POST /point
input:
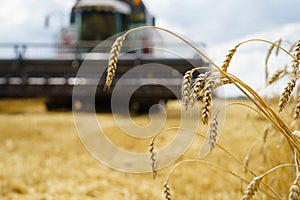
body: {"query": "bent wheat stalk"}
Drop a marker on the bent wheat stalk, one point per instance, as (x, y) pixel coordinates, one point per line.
(219, 168)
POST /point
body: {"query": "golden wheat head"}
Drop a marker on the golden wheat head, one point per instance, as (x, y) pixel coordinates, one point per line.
(252, 188)
(287, 94)
(294, 189)
(296, 61)
(229, 56)
(197, 88)
(186, 88)
(207, 99)
(297, 110)
(213, 133)
(167, 191)
(112, 61)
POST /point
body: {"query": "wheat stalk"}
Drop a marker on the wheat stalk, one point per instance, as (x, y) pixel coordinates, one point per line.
(186, 88)
(286, 94)
(112, 61)
(277, 49)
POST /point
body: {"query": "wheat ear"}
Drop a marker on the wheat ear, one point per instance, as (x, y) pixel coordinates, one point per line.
(229, 56)
(252, 188)
(213, 133)
(286, 94)
(294, 189)
(112, 61)
(294, 192)
(197, 88)
(206, 100)
(153, 159)
(296, 133)
(167, 191)
(296, 61)
(297, 110)
(267, 60)
(186, 88)
(276, 76)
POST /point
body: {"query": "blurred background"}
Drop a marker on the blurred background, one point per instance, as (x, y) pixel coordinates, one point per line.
(216, 25)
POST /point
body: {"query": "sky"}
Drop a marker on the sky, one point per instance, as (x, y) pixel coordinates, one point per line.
(219, 24)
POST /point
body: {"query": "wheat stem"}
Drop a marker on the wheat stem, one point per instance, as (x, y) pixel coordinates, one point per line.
(214, 166)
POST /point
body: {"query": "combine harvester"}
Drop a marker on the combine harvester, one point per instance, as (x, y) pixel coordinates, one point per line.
(26, 73)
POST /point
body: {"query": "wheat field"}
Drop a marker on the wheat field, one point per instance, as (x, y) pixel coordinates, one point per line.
(41, 157)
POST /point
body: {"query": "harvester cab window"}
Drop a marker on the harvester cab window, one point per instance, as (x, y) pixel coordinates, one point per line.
(97, 25)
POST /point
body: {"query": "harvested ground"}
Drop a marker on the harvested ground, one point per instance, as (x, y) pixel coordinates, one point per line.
(42, 157)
